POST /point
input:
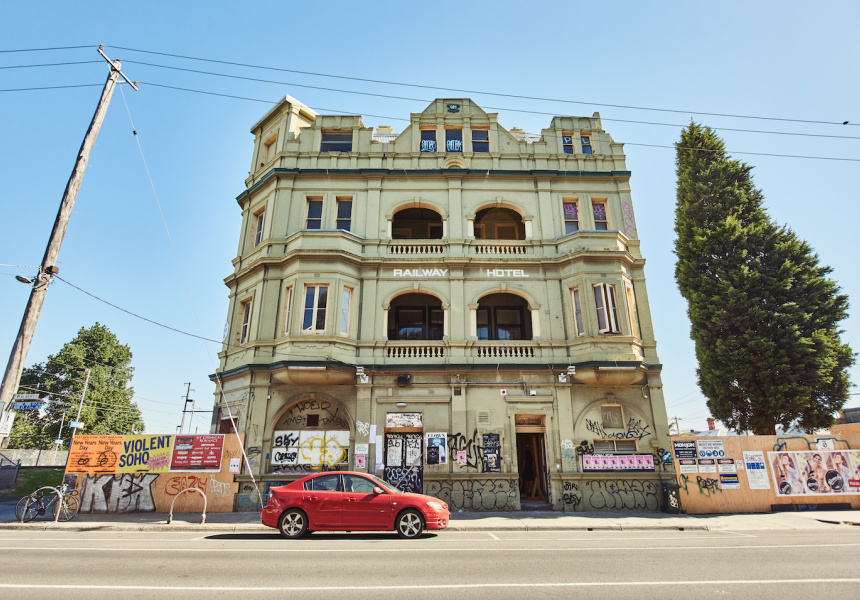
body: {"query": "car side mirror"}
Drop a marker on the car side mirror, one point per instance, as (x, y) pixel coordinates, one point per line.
(378, 490)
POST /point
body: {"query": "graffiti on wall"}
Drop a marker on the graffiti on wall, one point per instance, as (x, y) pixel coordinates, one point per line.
(310, 450)
(458, 442)
(487, 494)
(329, 414)
(636, 429)
(117, 493)
(615, 494)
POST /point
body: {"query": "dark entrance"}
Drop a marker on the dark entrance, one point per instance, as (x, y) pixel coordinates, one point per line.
(404, 467)
(531, 458)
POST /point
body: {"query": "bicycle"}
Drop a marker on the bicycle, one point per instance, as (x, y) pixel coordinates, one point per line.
(65, 504)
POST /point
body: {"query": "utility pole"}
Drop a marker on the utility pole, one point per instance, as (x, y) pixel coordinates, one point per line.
(677, 427)
(49, 268)
(185, 409)
(80, 406)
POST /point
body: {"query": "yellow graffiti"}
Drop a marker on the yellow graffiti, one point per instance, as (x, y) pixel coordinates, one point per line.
(318, 451)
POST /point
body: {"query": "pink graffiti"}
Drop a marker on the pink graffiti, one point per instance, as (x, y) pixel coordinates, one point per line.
(629, 223)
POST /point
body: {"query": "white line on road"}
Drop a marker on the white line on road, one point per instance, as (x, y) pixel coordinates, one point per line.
(424, 549)
(434, 586)
(494, 536)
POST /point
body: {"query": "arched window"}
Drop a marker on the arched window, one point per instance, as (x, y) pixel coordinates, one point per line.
(312, 435)
(416, 317)
(499, 224)
(416, 224)
(503, 317)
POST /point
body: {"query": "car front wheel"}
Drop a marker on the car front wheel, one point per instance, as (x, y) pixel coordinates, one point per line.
(410, 524)
(293, 523)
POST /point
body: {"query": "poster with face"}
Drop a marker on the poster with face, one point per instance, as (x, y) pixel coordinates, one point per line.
(815, 472)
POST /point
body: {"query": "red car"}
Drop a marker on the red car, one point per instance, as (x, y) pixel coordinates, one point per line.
(345, 501)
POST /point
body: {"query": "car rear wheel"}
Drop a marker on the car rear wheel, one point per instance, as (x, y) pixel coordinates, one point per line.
(410, 524)
(293, 523)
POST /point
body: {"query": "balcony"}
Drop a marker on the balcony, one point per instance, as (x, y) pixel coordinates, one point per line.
(414, 350)
(507, 350)
(499, 248)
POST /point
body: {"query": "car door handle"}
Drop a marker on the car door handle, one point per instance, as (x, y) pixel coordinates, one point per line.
(312, 498)
(350, 499)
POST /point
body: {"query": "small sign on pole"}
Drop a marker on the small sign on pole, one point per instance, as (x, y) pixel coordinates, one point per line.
(25, 396)
(76, 424)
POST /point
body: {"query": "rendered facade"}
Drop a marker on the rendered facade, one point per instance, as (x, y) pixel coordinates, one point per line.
(459, 308)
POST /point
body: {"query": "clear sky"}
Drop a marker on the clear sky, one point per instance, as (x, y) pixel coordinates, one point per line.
(788, 60)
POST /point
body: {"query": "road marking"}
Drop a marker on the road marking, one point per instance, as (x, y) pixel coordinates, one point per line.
(424, 549)
(494, 536)
(749, 535)
(433, 586)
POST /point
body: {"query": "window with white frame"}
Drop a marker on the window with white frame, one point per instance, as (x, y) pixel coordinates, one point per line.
(244, 320)
(314, 220)
(571, 215)
(614, 446)
(567, 143)
(258, 227)
(607, 312)
(585, 140)
(345, 308)
(288, 309)
(598, 209)
(480, 140)
(336, 142)
(577, 312)
(344, 213)
(316, 298)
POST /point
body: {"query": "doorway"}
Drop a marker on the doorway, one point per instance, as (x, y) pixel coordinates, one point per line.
(531, 459)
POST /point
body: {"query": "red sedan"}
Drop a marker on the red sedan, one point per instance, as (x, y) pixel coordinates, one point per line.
(344, 501)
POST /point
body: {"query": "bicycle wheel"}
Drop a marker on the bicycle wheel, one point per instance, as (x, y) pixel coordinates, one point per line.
(19, 508)
(31, 508)
(67, 506)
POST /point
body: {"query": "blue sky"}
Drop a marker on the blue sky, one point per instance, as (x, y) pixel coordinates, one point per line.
(767, 59)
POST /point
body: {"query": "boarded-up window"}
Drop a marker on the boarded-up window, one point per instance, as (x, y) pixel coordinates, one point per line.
(612, 415)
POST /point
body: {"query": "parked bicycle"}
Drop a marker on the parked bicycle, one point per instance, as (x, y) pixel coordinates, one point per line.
(46, 499)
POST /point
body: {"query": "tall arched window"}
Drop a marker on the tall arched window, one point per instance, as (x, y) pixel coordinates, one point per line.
(416, 224)
(503, 317)
(416, 317)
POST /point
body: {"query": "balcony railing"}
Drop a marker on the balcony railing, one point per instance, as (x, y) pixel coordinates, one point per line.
(416, 248)
(417, 350)
(505, 350)
(499, 248)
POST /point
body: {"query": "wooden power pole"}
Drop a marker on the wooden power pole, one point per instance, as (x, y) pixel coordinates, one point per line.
(48, 268)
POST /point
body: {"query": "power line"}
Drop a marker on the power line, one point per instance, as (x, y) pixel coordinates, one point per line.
(52, 87)
(44, 49)
(542, 99)
(62, 64)
(426, 100)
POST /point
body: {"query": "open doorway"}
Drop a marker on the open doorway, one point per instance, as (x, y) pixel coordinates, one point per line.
(531, 458)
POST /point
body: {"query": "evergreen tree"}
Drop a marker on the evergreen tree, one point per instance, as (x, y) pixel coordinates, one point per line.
(107, 408)
(764, 314)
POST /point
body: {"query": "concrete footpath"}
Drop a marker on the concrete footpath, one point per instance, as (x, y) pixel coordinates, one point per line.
(460, 521)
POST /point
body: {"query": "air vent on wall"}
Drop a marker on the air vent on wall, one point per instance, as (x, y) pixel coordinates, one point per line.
(483, 417)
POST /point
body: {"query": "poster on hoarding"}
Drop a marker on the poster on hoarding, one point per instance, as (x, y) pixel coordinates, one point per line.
(617, 462)
(145, 454)
(93, 454)
(707, 465)
(726, 465)
(437, 448)
(684, 449)
(687, 465)
(711, 449)
(756, 470)
(200, 453)
(730, 481)
(815, 472)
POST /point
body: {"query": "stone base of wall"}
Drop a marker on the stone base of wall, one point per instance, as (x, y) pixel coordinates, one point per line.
(586, 492)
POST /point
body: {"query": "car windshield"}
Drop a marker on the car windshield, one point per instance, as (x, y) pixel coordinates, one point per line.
(384, 485)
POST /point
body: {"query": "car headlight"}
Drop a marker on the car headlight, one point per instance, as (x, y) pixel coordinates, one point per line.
(436, 505)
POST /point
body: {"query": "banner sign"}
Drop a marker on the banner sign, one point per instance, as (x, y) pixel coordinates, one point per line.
(93, 454)
(197, 453)
(756, 470)
(403, 420)
(145, 454)
(617, 462)
(684, 449)
(815, 472)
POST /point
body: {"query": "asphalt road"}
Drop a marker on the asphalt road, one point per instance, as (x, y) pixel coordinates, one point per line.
(460, 565)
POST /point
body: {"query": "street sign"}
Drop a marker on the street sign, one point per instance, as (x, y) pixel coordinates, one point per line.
(25, 396)
(26, 405)
(58, 442)
(76, 424)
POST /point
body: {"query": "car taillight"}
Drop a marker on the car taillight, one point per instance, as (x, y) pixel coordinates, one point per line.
(269, 497)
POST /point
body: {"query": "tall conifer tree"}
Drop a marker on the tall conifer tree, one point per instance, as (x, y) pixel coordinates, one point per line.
(764, 314)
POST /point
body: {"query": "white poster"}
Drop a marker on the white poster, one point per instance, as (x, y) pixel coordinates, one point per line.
(372, 432)
(707, 465)
(726, 465)
(756, 470)
(362, 449)
(437, 448)
(6, 424)
(711, 449)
